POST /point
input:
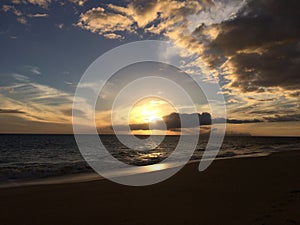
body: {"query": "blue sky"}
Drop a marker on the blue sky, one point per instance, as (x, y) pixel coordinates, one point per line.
(56, 52)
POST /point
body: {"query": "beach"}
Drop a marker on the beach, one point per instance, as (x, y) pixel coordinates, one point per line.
(258, 190)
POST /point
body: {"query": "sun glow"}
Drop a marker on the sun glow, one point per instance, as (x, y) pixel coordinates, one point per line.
(151, 116)
(149, 110)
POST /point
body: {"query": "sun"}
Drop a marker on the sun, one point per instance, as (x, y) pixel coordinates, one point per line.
(151, 115)
(148, 110)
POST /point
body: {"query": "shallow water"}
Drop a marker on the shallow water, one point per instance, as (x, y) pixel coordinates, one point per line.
(41, 156)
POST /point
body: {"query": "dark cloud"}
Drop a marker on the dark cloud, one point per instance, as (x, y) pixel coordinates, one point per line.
(236, 121)
(174, 121)
(11, 111)
(261, 46)
(272, 112)
(68, 112)
(13, 124)
(262, 100)
(276, 118)
(277, 67)
(283, 118)
(268, 112)
(295, 94)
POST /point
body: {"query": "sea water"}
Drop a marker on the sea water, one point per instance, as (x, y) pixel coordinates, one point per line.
(30, 157)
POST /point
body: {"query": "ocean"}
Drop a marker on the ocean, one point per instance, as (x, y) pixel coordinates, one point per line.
(32, 157)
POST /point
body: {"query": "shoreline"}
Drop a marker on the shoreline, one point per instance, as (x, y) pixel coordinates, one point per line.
(248, 191)
(93, 176)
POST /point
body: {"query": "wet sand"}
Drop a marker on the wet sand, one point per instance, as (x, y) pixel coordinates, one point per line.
(264, 190)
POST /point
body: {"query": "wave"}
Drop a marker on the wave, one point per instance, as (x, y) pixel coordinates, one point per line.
(29, 157)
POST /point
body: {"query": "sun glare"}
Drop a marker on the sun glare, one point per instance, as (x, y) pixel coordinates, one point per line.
(151, 115)
(149, 111)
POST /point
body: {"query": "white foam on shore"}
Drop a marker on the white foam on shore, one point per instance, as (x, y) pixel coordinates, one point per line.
(74, 178)
(93, 176)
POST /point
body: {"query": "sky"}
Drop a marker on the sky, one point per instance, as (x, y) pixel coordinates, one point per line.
(250, 47)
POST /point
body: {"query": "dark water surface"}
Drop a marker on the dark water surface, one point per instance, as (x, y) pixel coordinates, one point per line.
(37, 156)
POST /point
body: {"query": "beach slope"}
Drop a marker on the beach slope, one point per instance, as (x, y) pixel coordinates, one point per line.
(264, 190)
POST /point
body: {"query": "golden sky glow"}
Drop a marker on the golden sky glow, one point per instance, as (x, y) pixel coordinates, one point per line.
(149, 110)
(255, 61)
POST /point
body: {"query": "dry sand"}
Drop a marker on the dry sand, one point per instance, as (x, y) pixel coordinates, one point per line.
(263, 190)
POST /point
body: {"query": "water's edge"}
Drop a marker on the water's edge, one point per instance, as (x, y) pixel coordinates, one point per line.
(93, 176)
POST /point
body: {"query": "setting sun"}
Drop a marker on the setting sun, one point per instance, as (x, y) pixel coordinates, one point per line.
(149, 110)
(151, 115)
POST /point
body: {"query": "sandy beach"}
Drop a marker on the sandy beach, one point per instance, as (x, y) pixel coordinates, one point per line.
(264, 190)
